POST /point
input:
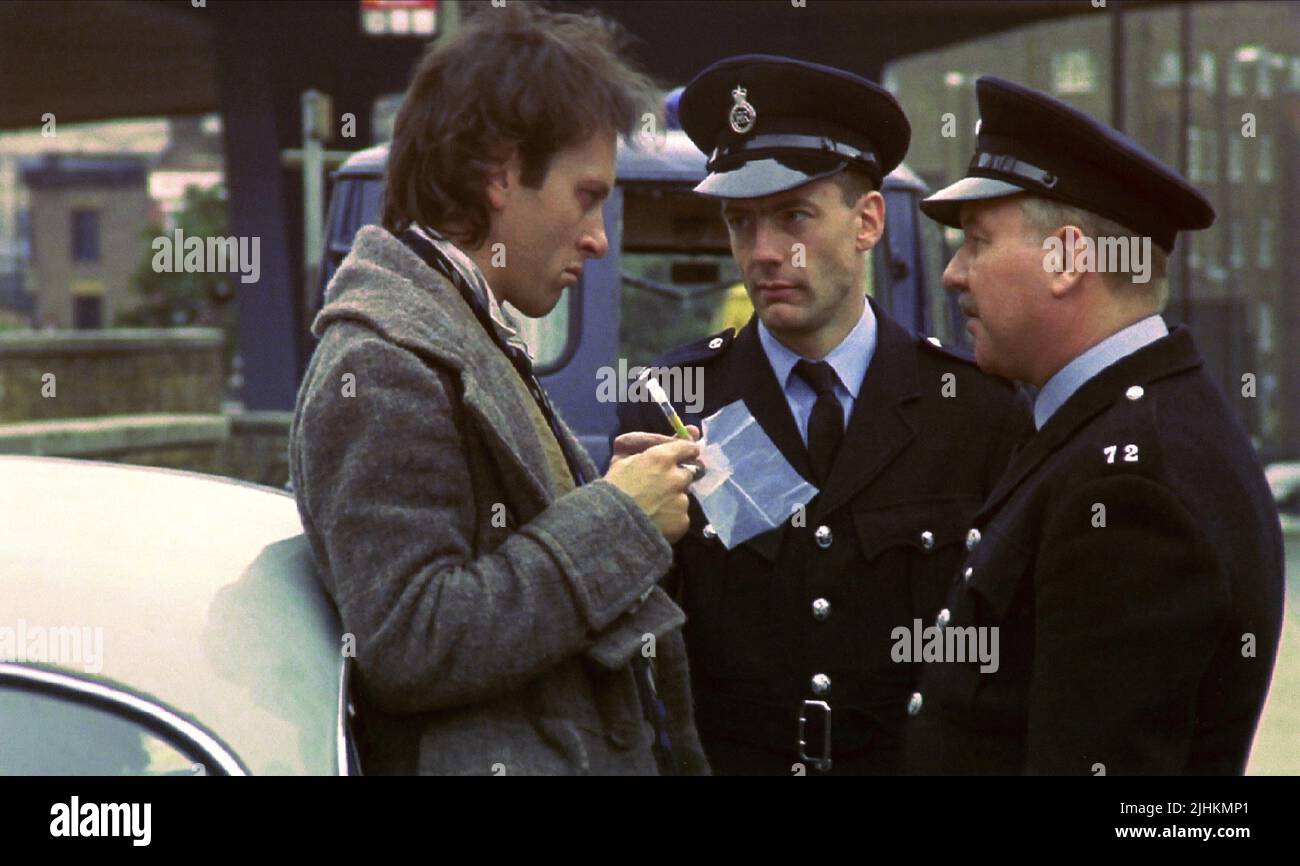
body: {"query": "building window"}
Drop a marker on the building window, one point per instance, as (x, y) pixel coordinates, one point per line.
(1194, 154)
(85, 235)
(1267, 228)
(1074, 71)
(1168, 72)
(1210, 156)
(87, 312)
(1205, 75)
(26, 239)
(1265, 328)
(1237, 258)
(1236, 78)
(1263, 78)
(1236, 171)
(1264, 168)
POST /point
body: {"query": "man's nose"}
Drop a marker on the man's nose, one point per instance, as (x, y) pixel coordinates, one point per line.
(594, 243)
(954, 276)
(768, 244)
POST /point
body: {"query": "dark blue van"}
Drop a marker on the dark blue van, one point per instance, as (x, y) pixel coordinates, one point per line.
(669, 276)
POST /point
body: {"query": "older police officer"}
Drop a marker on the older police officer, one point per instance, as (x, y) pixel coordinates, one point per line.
(1131, 557)
(793, 628)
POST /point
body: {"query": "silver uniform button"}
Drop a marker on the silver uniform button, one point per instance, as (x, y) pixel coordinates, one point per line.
(942, 620)
(968, 574)
(715, 343)
(823, 536)
(933, 341)
(1135, 393)
(709, 532)
(973, 539)
(927, 540)
(914, 704)
(821, 609)
(821, 684)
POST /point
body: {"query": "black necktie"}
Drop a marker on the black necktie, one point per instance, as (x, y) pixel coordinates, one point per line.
(826, 423)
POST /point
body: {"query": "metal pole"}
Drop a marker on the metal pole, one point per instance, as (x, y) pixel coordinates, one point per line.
(1117, 79)
(1184, 122)
(315, 131)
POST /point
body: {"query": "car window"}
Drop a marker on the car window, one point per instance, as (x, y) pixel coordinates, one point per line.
(46, 735)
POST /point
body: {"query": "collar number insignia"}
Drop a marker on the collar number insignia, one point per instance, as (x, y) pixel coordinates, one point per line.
(742, 114)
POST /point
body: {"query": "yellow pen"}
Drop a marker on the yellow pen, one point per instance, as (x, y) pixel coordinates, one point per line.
(665, 405)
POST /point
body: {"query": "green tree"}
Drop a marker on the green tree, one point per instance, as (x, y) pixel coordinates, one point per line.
(177, 299)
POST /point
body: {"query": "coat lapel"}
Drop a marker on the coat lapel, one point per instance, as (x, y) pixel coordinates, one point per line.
(765, 398)
(879, 429)
(419, 309)
(1165, 357)
(745, 374)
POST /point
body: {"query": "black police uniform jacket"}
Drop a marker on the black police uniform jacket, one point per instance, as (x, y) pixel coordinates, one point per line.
(913, 468)
(1132, 561)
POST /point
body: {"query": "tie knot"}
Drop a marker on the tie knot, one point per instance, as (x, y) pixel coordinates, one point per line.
(820, 376)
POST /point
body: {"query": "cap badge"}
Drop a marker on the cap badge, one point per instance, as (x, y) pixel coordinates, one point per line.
(742, 114)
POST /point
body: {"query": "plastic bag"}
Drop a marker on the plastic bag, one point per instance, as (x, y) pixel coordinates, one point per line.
(749, 487)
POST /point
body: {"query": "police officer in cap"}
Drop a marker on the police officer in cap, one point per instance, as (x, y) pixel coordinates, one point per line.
(790, 635)
(1131, 558)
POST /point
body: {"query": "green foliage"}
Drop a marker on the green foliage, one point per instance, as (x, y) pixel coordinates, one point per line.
(179, 299)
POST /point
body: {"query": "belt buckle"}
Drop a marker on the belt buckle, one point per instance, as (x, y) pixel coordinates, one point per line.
(823, 762)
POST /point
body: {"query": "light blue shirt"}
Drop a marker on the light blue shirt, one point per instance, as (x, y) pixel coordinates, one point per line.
(849, 359)
(1073, 375)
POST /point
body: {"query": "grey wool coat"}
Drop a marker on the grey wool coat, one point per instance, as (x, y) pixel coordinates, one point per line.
(483, 646)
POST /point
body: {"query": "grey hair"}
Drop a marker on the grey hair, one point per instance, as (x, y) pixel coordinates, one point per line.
(1042, 217)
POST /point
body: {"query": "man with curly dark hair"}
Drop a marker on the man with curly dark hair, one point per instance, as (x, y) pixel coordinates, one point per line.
(503, 597)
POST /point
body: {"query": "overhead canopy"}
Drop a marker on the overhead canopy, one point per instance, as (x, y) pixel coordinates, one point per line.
(139, 58)
(91, 61)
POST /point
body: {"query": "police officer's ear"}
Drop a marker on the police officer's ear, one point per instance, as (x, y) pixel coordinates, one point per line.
(1063, 252)
(503, 177)
(869, 219)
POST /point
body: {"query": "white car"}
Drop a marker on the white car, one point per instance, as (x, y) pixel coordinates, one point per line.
(157, 622)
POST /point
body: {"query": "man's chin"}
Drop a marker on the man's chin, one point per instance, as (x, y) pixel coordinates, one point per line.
(989, 361)
(538, 308)
(782, 316)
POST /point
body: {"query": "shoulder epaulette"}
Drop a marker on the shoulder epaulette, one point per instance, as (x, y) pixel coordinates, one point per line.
(698, 352)
(932, 344)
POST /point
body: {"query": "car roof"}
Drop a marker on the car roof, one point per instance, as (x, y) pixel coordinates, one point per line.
(205, 591)
(671, 158)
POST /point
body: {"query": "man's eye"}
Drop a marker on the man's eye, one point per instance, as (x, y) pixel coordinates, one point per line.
(737, 222)
(797, 215)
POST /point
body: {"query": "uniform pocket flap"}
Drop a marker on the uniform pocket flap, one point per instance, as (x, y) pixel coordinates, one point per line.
(925, 526)
(996, 570)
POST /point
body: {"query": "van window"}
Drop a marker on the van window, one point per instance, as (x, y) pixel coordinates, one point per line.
(680, 282)
(548, 336)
